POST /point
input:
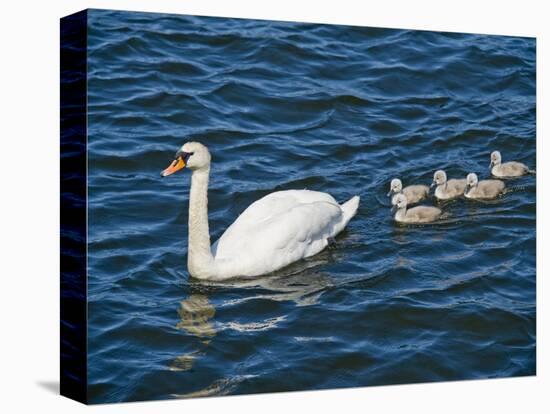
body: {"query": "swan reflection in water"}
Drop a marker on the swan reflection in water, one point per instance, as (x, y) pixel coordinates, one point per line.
(195, 313)
(300, 283)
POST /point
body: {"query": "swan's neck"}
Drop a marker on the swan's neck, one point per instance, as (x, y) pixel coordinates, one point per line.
(200, 261)
(470, 188)
(401, 213)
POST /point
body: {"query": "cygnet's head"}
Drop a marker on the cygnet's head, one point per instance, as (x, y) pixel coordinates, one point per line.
(496, 159)
(192, 155)
(471, 181)
(440, 178)
(395, 186)
(400, 202)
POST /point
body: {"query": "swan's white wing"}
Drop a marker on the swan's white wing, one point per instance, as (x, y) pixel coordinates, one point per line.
(264, 209)
(277, 230)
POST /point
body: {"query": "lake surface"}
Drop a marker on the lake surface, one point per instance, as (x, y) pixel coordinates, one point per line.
(291, 106)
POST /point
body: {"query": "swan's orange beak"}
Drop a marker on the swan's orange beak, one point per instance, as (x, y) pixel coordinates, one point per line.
(177, 164)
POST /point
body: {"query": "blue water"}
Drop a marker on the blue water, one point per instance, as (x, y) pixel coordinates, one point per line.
(330, 108)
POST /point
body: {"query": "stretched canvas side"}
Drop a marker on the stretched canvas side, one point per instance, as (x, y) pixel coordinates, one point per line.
(73, 382)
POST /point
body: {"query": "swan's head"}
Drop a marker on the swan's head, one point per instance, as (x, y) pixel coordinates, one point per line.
(192, 155)
(400, 202)
(471, 181)
(496, 159)
(440, 178)
(395, 186)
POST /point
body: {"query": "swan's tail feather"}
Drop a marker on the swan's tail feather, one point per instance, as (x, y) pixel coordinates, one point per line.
(350, 208)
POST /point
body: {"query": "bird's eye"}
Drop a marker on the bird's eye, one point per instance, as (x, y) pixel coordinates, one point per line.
(184, 155)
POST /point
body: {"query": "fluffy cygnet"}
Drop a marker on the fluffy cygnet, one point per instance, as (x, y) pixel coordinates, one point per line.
(414, 193)
(420, 214)
(507, 169)
(447, 189)
(484, 189)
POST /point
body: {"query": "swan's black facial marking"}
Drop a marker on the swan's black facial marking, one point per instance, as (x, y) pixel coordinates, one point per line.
(184, 155)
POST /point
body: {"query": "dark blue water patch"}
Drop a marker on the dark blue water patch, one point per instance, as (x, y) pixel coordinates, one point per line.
(291, 106)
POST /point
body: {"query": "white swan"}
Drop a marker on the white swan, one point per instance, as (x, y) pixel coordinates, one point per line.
(278, 229)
